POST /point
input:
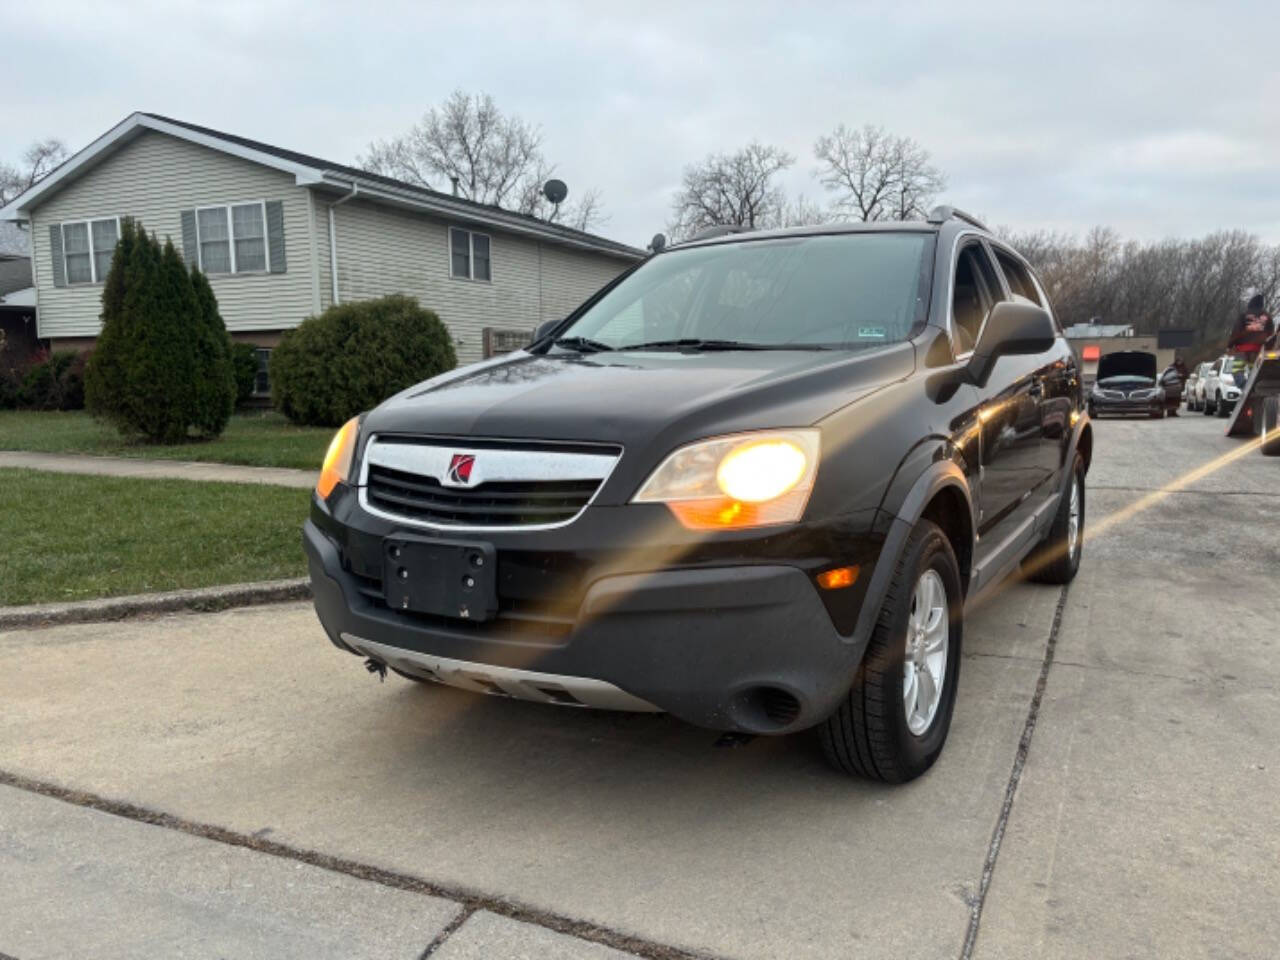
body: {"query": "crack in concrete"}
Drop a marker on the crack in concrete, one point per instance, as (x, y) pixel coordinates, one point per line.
(471, 901)
(1015, 776)
(465, 914)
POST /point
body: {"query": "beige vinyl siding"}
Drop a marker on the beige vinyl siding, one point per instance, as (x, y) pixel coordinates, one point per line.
(383, 250)
(154, 178)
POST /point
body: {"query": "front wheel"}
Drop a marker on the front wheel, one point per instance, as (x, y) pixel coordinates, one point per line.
(1220, 408)
(893, 723)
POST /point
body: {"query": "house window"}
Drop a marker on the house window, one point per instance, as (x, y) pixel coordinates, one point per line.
(87, 249)
(262, 379)
(469, 255)
(232, 238)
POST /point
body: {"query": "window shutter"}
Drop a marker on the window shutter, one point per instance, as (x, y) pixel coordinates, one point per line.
(275, 235)
(190, 251)
(55, 251)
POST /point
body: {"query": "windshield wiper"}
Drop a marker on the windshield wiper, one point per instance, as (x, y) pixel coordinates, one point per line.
(695, 343)
(581, 344)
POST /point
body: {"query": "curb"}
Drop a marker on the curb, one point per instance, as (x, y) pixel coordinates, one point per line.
(202, 600)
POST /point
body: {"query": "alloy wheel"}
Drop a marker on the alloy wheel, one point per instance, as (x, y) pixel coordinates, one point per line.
(1073, 519)
(924, 669)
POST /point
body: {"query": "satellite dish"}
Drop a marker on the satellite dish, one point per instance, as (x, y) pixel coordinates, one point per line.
(555, 191)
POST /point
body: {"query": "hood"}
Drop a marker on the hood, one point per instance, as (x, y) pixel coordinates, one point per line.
(664, 398)
(1127, 363)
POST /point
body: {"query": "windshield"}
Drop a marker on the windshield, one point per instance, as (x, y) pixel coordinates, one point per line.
(844, 291)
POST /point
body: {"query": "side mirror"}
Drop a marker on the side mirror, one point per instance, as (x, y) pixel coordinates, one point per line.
(544, 329)
(1012, 329)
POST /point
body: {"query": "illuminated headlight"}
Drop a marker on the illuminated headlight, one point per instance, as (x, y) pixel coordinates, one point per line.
(338, 458)
(745, 480)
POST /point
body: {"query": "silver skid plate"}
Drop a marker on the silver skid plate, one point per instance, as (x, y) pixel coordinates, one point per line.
(503, 681)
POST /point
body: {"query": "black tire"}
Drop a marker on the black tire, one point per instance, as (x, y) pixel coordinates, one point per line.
(868, 735)
(1207, 409)
(1220, 409)
(1271, 426)
(1157, 414)
(1056, 560)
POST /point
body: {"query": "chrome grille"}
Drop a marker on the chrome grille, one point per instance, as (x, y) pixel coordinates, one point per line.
(520, 485)
(485, 505)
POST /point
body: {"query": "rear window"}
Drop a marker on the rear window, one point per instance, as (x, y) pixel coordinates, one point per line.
(839, 291)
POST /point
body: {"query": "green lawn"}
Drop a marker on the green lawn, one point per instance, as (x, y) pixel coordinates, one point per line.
(258, 440)
(72, 537)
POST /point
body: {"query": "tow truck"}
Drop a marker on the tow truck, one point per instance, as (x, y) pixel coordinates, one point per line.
(1258, 410)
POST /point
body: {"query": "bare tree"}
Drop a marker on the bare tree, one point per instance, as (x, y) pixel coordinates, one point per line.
(469, 146)
(734, 189)
(39, 160)
(876, 175)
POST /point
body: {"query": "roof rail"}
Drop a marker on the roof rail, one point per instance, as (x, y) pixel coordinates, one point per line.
(719, 230)
(942, 214)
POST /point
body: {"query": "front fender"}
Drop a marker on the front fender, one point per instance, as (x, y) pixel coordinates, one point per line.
(938, 474)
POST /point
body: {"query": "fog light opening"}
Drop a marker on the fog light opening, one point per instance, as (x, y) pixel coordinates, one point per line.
(780, 706)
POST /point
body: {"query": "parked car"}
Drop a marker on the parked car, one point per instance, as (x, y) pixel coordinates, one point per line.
(751, 483)
(1126, 385)
(1222, 385)
(1171, 384)
(1194, 388)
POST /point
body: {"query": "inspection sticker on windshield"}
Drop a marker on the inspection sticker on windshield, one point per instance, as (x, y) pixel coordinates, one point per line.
(872, 333)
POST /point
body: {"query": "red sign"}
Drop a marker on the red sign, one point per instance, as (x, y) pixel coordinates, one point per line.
(1092, 352)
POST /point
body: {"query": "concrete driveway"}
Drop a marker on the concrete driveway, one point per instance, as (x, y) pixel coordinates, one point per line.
(232, 785)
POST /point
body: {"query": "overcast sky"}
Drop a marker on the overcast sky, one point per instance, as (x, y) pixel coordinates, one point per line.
(1156, 118)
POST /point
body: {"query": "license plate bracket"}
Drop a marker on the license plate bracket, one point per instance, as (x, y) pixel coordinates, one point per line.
(444, 578)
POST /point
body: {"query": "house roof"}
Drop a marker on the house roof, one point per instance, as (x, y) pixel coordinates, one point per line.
(15, 274)
(1089, 331)
(318, 173)
(23, 299)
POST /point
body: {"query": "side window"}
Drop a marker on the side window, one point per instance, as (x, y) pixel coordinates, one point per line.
(975, 292)
(469, 256)
(1019, 280)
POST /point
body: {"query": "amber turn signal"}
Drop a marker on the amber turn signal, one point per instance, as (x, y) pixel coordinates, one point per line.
(337, 461)
(839, 578)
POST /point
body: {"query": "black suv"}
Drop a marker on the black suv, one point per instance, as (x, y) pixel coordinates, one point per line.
(751, 482)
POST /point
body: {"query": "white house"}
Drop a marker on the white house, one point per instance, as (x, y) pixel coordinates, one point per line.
(283, 235)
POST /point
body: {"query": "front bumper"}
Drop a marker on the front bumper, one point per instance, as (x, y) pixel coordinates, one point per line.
(748, 646)
(1101, 406)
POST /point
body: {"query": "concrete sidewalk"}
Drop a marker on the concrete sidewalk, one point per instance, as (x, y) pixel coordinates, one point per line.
(153, 469)
(83, 883)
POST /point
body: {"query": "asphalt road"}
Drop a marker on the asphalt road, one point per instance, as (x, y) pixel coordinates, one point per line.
(232, 785)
